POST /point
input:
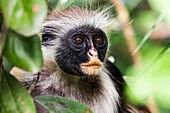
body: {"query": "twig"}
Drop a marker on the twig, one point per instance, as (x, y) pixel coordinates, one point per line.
(34, 83)
(128, 31)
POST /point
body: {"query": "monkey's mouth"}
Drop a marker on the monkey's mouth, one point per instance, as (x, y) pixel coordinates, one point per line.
(93, 64)
(91, 67)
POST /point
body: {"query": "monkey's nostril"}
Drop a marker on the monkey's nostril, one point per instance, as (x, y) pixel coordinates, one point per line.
(90, 53)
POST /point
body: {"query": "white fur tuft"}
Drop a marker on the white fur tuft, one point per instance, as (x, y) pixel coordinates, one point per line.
(76, 17)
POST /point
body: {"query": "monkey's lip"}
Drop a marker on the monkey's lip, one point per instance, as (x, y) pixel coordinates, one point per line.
(92, 64)
(92, 67)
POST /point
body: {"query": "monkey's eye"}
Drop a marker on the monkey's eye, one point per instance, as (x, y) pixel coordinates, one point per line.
(78, 40)
(99, 40)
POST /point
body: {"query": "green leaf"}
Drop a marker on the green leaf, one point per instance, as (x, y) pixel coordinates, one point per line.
(159, 19)
(163, 52)
(65, 3)
(7, 65)
(1, 19)
(14, 98)
(161, 6)
(23, 52)
(52, 4)
(159, 77)
(155, 81)
(24, 16)
(61, 105)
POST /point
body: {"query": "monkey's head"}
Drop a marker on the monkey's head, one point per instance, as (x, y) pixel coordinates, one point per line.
(75, 39)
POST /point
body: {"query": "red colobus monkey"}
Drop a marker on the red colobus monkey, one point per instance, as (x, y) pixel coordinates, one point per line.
(74, 45)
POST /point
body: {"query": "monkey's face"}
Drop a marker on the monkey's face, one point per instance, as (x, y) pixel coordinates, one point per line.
(82, 51)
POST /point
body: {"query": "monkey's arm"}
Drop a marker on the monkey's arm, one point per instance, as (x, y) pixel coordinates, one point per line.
(118, 80)
(115, 75)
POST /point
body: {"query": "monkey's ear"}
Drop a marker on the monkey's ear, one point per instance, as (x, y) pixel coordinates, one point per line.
(46, 36)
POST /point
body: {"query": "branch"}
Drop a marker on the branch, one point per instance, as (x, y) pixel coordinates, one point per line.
(128, 30)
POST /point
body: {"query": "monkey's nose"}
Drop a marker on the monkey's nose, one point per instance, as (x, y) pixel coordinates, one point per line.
(92, 53)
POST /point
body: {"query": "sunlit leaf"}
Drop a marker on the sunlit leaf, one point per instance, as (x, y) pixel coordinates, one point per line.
(161, 6)
(163, 52)
(154, 82)
(61, 105)
(23, 52)
(24, 16)
(159, 79)
(14, 98)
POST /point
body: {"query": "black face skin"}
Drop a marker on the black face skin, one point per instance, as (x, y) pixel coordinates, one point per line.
(71, 54)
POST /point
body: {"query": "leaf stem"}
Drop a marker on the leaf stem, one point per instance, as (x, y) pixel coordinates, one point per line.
(127, 28)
